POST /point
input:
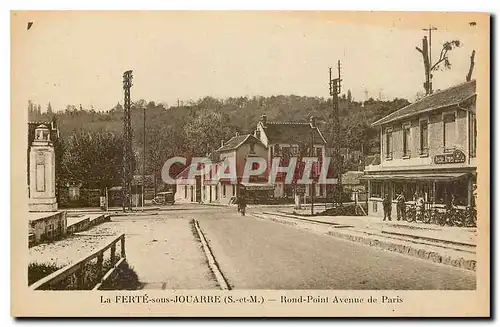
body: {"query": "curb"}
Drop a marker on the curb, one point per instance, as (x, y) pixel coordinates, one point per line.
(462, 263)
(406, 249)
(212, 263)
(443, 241)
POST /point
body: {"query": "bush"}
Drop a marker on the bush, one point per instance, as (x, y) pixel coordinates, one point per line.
(124, 278)
(37, 271)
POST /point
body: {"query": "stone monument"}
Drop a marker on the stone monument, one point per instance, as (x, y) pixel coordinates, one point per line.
(42, 188)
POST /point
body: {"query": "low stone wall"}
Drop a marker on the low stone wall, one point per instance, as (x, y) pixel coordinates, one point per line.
(79, 226)
(48, 227)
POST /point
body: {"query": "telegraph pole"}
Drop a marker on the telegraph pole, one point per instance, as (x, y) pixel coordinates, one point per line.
(313, 127)
(335, 88)
(144, 158)
(127, 146)
(430, 29)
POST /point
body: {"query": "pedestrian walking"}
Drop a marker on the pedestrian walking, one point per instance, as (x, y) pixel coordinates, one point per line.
(242, 204)
(387, 204)
(401, 206)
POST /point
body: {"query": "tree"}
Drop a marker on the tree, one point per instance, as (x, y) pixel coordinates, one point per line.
(92, 160)
(49, 109)
(443, 59)
(205, 133)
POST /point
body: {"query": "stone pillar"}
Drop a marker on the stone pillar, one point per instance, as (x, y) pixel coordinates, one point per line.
(42, 172)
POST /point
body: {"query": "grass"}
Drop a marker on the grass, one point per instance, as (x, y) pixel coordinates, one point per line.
(124, 277)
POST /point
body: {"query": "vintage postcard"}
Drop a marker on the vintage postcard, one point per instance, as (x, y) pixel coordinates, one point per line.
(239, 164)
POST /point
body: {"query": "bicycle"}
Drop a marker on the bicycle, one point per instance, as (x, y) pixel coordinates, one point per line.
(414, 214)
(451, 217)
(470, 217)
(411, 213)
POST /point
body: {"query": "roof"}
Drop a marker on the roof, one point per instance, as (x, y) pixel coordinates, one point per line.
(441, 99)
(184, 174)
(291, 133)
(237, 141)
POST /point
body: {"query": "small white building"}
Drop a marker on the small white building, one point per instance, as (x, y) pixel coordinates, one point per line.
(187, 188)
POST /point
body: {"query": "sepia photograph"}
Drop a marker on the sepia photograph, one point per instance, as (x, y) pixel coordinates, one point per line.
(250, 163)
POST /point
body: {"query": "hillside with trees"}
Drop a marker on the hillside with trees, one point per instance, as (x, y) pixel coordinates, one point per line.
(195, 129)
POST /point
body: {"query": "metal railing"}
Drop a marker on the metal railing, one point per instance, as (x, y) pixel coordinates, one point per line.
(78, 273)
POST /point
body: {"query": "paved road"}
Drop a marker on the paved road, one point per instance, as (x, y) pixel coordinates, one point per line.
(257, 254)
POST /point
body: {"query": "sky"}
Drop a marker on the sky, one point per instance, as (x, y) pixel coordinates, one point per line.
(79, 57)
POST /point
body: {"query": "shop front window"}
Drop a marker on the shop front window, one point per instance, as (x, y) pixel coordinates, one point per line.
(398, 188)
(409, 191)
(376, 189)
(459, 189)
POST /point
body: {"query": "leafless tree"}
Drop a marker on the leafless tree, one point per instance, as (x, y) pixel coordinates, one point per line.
(471, 67)
(442, 60)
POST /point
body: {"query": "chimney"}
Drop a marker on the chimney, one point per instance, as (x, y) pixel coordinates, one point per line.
(263, 120)
(312, 122)
(221, 143)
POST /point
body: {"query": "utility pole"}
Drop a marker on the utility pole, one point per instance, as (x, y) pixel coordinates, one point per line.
(335, 88)
(144, 158)
(337, 142)
(313, 127)
(127, 146)
(429, 75)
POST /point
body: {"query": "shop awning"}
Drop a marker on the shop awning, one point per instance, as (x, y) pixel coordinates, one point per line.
(416, 177)
(257, 186)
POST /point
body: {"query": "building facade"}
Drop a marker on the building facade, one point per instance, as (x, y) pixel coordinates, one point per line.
(188, 186)
(427, 149)
(234, 154)
(291, 139)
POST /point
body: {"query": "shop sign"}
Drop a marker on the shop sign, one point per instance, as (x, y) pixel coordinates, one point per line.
(456, 157)
(300, 189)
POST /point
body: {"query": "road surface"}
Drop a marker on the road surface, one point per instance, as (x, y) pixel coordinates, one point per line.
(258, 254)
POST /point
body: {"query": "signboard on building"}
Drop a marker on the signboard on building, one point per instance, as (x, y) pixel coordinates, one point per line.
(300, 189)
(456, 157)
